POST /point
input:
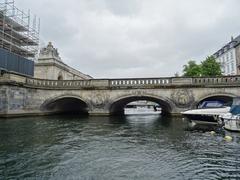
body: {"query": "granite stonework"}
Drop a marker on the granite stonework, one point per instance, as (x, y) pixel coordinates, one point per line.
(21, 96)
(50, 66)
(3, 100)
(18, 101)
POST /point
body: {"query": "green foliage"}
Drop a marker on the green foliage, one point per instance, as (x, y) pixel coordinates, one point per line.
(191, 69)
(208, 67)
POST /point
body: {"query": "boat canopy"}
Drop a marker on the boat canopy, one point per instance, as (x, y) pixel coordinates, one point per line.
(235, 109)
(211, 104)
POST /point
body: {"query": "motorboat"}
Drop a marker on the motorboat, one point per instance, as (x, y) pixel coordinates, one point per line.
(231, 120)
(207, 113)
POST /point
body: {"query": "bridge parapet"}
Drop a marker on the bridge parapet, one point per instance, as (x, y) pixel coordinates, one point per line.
(57, 84)
(225, 80)
(133, 83)
(120, 83)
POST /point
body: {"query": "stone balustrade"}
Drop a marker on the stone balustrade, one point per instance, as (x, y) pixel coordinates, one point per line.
(140, 82)
(57, 84)
(120, 83)
(226, 80)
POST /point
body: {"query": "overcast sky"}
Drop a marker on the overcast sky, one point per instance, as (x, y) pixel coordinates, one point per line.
(135, 38)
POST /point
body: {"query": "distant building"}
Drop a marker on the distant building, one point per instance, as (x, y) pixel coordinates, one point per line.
(229, 57)
(50, 66)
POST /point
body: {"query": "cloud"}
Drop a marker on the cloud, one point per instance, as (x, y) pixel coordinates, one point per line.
(135, 38)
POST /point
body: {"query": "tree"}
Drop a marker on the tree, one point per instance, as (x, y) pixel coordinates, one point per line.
(192, 69)
(210, 67)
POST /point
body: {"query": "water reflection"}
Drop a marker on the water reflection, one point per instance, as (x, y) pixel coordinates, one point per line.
(127, 147)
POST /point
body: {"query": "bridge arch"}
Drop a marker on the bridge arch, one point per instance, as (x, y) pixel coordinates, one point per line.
(65, 104)
(117, 106)
(224, 97)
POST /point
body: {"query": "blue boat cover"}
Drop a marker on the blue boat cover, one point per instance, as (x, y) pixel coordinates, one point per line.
(235, 109)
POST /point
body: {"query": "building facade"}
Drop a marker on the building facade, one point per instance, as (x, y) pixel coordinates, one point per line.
(229, 57)
(50, 66)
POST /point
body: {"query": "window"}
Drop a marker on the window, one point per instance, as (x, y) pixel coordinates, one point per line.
(227, 56)
(60, 76)
(223, 70)
(232, 64)
(228, 69)
(231, 54)
(219, 60)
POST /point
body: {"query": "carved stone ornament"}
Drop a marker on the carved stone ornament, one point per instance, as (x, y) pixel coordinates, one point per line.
(138, 93)
(99, 100)
(49, 52)
(182, 98)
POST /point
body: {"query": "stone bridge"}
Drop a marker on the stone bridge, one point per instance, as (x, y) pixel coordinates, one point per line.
(21, 96)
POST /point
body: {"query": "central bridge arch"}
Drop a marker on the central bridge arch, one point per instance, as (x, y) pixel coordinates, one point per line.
(117, 107)
(65, 104)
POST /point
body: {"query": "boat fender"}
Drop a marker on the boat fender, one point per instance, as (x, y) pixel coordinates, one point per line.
(216, 117)
(212, 132)
(228, 138)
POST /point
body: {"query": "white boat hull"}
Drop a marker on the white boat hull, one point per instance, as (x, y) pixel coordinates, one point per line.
(135, 111)
(206, 116)
(231, 122)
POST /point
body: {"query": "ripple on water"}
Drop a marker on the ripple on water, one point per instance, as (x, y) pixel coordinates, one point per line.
(138, 147)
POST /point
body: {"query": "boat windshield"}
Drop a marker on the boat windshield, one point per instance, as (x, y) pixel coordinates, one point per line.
(235, 109)
(211, 104)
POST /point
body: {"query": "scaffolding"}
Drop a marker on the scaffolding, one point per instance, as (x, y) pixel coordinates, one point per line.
(17, 33)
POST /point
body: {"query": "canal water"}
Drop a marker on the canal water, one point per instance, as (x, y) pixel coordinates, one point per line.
(105, 148)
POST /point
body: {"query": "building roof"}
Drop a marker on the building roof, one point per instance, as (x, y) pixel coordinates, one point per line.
(237, 39)
(232, 44)
(49, 55)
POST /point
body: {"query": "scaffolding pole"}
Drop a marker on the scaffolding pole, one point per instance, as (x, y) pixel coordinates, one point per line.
(17, 34)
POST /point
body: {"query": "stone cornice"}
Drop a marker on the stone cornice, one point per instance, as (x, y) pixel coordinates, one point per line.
(62, 66)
